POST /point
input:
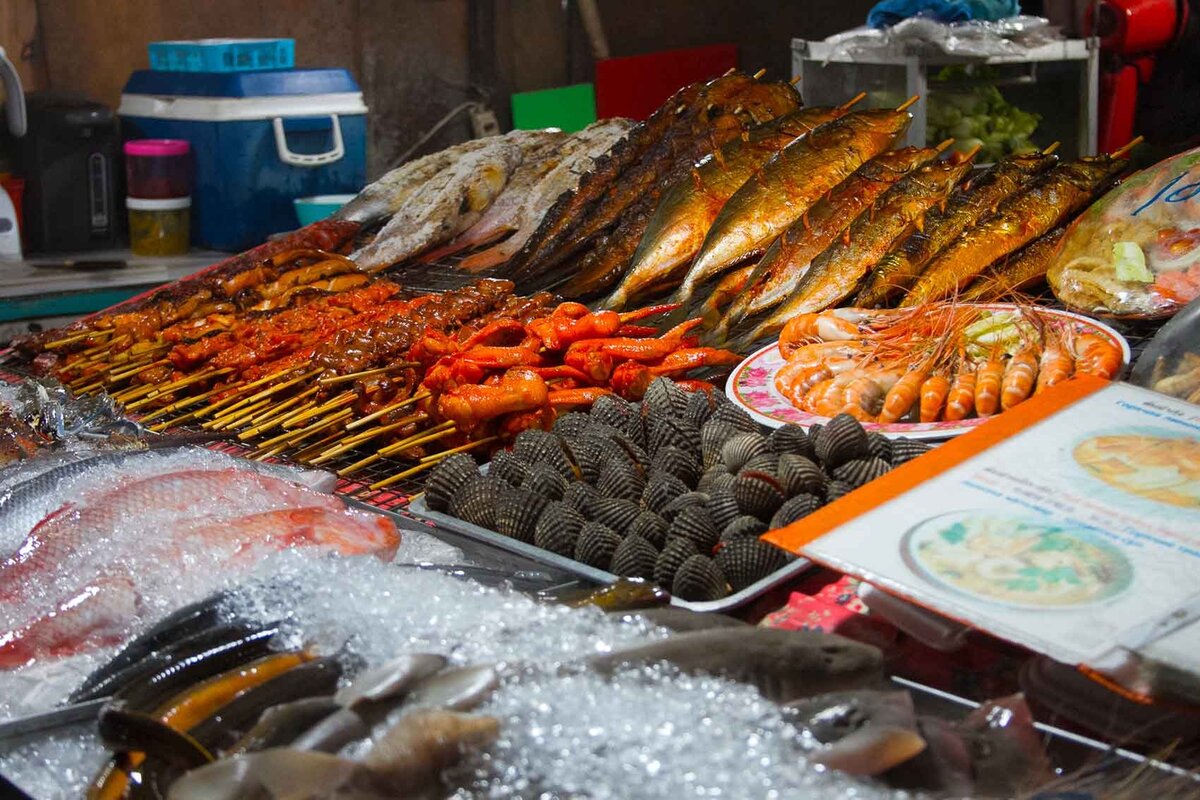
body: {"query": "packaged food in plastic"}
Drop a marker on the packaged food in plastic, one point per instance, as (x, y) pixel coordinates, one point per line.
(1171, 362)
(1136, 252)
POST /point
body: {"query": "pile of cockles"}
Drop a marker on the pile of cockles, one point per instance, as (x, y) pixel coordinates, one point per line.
(677, 489)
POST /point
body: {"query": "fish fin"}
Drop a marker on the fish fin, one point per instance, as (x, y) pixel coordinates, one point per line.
(871, 750)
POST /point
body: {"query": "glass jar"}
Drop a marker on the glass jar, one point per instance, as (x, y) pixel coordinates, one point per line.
(159, 227)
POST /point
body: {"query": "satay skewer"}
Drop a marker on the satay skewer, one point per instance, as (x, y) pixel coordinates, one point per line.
(358, 423)
(333, 380)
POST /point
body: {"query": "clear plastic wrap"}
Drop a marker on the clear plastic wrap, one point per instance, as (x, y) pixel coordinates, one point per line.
(1007, 37)
(1136, 252)
(1171, 362)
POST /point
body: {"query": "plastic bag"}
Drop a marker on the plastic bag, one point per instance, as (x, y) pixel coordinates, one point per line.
(1014, 36)
(1171, 362)
(1136, 252)
(890, 12)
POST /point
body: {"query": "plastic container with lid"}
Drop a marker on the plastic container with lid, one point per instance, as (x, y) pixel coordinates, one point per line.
(158, 169)
(159, 227)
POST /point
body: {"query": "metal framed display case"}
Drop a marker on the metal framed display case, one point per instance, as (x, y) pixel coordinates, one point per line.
(1058, 80)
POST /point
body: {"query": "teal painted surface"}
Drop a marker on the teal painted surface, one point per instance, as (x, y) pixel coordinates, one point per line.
(61, 305)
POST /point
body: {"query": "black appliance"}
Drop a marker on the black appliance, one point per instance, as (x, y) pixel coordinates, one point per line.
(69, 160)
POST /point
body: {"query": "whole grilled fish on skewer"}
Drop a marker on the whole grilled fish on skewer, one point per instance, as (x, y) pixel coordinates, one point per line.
(787, 186)
(1030, 213)
(586, 147)
(901, 266)
(721, 111)
(835, 273)
(1022, 270)
(676, 230)
(786, 261)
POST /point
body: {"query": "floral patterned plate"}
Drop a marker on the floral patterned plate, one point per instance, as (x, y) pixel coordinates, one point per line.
(752, 386)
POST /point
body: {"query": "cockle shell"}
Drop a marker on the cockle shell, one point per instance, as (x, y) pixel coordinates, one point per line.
(797, 507)
(861, 471)
(743, 526)
(735, 416)
(672, 432)
(699, 579)
(664, 398)
(683, 464)
(723, 508)
(517, 514)
(880, 446)
(545, 481)
(694, 523)
(673, 554)
(448, 478)
(571, 424)
(508, 468)
(478, 500)
(843, 439)
(651, 527)
(542, 447)
(743, 447)
(791, 439)
(615, 513)
(671, 509)
(758, 494)
(745, 560)
(716, 479)
(558, 529)
(581, 497)
(713, 436)
(634, 558)
(660, 491)
(621, 480)
(837, 489)
(596, 545)
(799, 475)
(905, 450)
(699, 407)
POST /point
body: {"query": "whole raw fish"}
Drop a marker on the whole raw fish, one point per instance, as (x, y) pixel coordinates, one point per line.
(902, 265)
(1022, 270)
(579, 156)
(835, 273)
(1033, 211)
(786, 261)
(787, 186)
(688, 207)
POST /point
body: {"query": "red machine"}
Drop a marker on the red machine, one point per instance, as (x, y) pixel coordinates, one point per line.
(1132, 33)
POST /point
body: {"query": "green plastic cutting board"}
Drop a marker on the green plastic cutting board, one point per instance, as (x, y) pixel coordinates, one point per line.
(570, 108)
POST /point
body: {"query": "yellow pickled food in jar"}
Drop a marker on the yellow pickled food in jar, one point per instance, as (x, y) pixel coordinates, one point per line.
(159, 227)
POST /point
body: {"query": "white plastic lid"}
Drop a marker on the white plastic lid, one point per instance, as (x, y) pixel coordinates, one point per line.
(169, 204)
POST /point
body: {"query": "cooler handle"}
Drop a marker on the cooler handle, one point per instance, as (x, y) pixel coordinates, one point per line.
(308, 160)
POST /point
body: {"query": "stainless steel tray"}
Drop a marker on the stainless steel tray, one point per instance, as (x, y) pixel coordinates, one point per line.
(419, 509)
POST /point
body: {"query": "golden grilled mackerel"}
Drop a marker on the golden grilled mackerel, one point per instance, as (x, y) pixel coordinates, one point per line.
(835, 273)
(787, 186)
(677, 228)
(786, 261)
(903, 264)
(1028, 214)
(1020, 271)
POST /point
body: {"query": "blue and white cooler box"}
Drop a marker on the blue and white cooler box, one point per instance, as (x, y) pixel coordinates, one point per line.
(260, 139)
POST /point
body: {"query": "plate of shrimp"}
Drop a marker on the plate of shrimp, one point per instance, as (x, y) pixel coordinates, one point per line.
(930, 372)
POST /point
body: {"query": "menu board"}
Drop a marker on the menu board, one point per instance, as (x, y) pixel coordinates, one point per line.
(1069, 524)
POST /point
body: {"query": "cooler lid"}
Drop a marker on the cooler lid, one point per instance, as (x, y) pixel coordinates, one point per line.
(271, 83)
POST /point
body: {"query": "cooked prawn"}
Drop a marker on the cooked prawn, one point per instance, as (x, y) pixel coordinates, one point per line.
(960, 400)
(1056, 364)
(1097, 355)
(1019, 377)
(988, 380)
(933, 396)
(901, 397)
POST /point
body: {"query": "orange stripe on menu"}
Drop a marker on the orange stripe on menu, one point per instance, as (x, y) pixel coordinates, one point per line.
(907, 476)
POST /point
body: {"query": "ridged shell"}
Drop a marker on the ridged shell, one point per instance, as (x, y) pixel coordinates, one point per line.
(758, 494)
(795, 508)
(842, 440)
(767, 462)
(558, 529)
(614, 513)
(743, 447)
(815, 434)
(590, 458)
(478, 500)
(791, 439)
(880, 446)
(603, 449)
(571, 424)
(747, 560)
(736, 417)
(904, 450)
(508, 468)
(674, 553)
(695, 524)
(660, 491)
(634, 558)
(581, 497)
(672, 432)
(545, 481)
(518, 513)
(685, 500)
(836, 490)
(596, 545)
(699, 579)
(621, 480)
(448, 478)
(541, 447)
(713, 437)
(723, 508)
(861, 471)
(742, 527)
(799, 475)
(614, 410)
(699, 408)
(683, 464)
(651, 527)
(664, 398)
(716, 479)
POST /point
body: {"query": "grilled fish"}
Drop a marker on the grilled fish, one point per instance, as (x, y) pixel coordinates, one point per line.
(786, 261)
(1018, 272)
(1023, 217)
(676, 231)
(577, 156)
(835, 273)
(787, 186)
(901, 266)
(445, 205)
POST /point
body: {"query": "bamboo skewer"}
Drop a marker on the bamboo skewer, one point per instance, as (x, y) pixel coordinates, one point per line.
(343, 399)
(908, 103)
(429, 462)
(430, 434)
(355, 441)
(358, 423)
(266, 393)
(184, 403)
(1132, 143)
(271, 419)
(333, 380)
(291, 437)
(126, 373)
(241, 390)
(462, 448)
(237, 418)
(78, 337)
(179, 384)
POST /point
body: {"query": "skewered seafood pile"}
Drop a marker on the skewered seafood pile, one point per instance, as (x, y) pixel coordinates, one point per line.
(677, 490)
(945, 361)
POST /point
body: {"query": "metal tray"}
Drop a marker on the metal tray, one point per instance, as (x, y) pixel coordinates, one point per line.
(419, 509)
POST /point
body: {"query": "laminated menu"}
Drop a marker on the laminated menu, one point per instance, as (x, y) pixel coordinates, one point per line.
(1070, 524)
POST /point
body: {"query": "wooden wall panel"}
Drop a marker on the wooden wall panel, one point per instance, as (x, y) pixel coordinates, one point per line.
(18, 37)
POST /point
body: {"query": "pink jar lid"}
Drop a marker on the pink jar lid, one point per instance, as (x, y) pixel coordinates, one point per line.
(157, 147)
